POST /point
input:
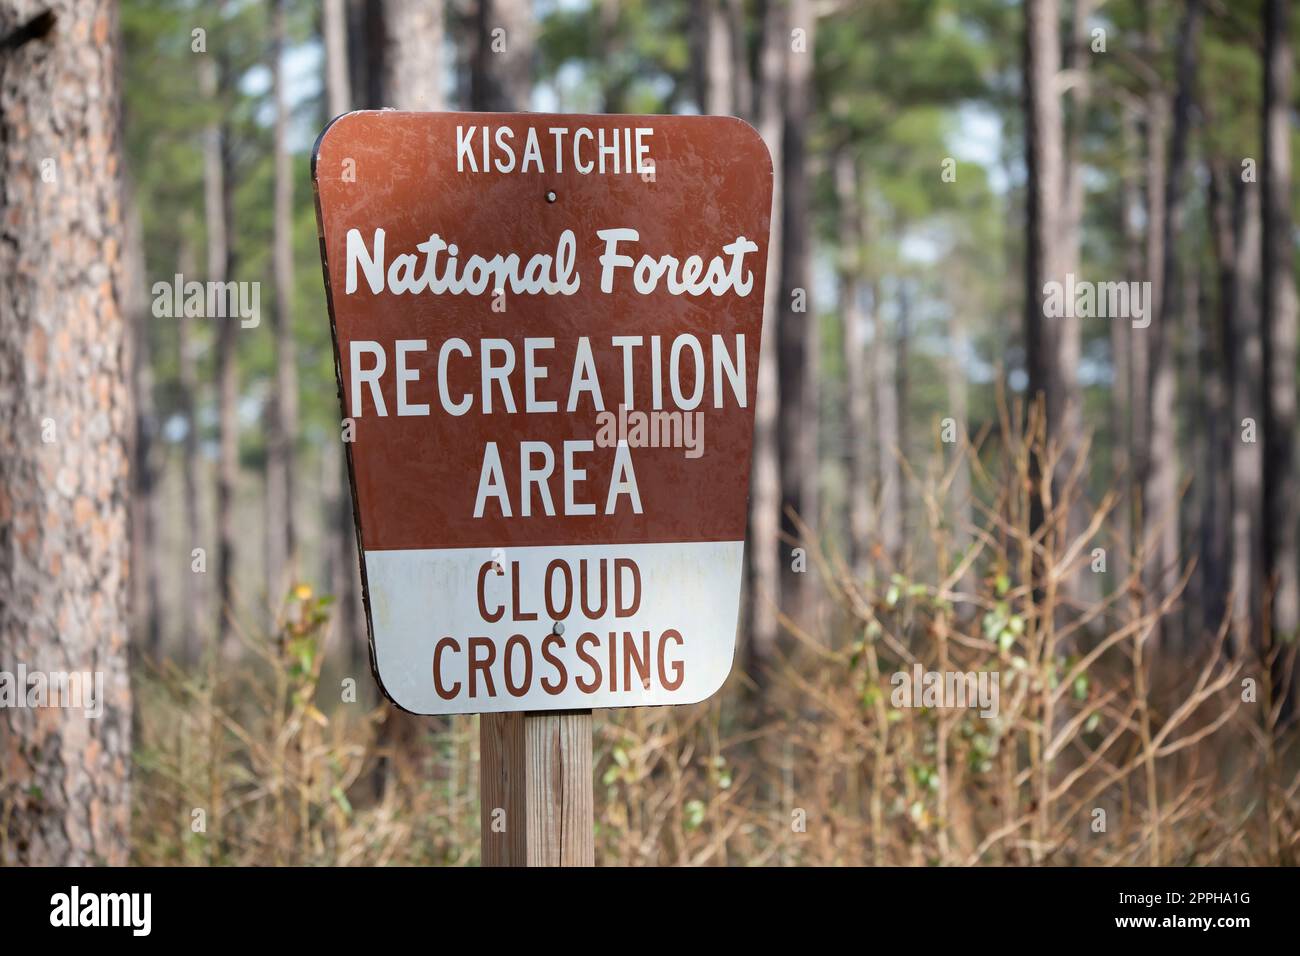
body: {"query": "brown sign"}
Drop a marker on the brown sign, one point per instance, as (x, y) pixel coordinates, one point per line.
(547, 331)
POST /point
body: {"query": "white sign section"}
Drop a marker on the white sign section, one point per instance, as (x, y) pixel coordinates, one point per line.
(625, 644)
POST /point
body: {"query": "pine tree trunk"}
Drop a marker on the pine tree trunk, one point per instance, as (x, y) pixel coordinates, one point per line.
(1068, 426)
(194, 596)
(742, 97)
(765, 478)
(216, 205)
(797, 323)
(856, 380)
(714, 63)
(1281, 489)
(146, 604)
(1193, 406)
(502, 63)
(902, 384)
(365, 46)
(1160, 490)
(959, 491)
(884, 372)
(334, 36)
(1045, 192)
(1216, 374)
(282, 410)
(1156, 121)
(1247, 407)
(65, 423)
(413, 35)
(1122, 408)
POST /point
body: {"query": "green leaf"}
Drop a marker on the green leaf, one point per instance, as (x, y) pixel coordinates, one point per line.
(341, 799)
(694, 814)
(1081, 687)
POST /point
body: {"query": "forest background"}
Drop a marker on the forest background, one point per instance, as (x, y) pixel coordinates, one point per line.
(952, 467)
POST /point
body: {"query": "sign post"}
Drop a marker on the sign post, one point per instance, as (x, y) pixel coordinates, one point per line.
(536, 767)
(547, 333)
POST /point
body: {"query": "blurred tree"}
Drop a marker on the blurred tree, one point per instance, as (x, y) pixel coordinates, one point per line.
(502, 62)
(857, 381)
(348, 625)
(1237, 536)
(413, 54)
(1248, 401)
(1160, 492)
(214, 76)
(1044, 164)
(1213, 372)
(282, 408)
(145, 515)
(797, 327)
(164, 153)
(334, 37)
(765, 479)
(721, 67)
(1281, 487)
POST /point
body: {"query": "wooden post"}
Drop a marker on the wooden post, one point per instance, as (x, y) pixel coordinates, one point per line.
(536, 789)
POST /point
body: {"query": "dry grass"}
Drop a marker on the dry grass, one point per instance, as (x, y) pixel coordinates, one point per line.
(817, 768)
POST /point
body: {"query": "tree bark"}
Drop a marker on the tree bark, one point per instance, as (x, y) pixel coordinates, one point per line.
(146, 602)
(1160, 488)
(413, 67)
(765, 481)
(902, 384)
(1247, 408)
(1193, 406)
(193, 595)
(216, 204)
(797, 330)
(1078, 60)
(501, 67)
(1216, 374)
(282, 417)
(1156, 121)
(608, 42)
(1067, 396)
(711, 37)
(1122, 408)
(742, 78)
(959, 491)
(1281, 489)
(334, 35)
(365, 47)
(65, 423)
(1044, 164)
(857, 384)
(884, 372)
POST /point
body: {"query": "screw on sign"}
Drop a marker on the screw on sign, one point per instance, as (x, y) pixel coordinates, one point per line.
(547, 332)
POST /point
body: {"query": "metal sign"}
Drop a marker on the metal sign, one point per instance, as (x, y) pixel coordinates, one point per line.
(547, 337)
